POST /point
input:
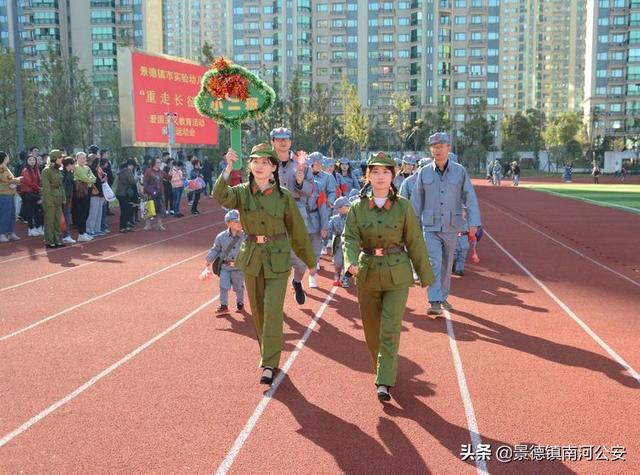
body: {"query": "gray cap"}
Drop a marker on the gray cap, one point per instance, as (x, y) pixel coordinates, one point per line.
(439, 137)
(232, 215)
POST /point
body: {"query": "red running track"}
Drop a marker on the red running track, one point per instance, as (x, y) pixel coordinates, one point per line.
(145, 379)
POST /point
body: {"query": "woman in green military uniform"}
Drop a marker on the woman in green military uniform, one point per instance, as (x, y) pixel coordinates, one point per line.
(382, 238)
(53, 197)
(274, 226)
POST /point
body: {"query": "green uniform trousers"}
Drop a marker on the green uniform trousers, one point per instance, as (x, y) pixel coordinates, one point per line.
(381, 312)
(266, 297)
(51, 224)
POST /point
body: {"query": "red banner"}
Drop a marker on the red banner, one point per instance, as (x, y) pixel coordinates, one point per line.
(162, 90)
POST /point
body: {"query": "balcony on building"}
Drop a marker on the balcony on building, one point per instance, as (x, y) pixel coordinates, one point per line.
(103, 3)
(40, 4)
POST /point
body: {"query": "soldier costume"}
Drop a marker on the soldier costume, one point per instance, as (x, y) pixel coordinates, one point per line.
(273, 227)
(438, 201)
(226, 246)
(382, 243)
(53, 197)
(287, 171)
(317, 211)
(336, 228)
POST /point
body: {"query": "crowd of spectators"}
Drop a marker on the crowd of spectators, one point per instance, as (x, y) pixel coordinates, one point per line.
(54, 192)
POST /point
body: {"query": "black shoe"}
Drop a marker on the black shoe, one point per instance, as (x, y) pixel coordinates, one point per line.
(383, 393)
(50, 246)
(240, 307)
(123, 231)
(222, 309)
(300, 295)
(459, 272)
(267, 376)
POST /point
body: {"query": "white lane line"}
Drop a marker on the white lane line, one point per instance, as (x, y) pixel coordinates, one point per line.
(588, 200)
(570, 312)
(88, 243)
(72, 395)
(628, 279)
(472, 424)
(97, 297)
(111, 256)
(262, 405)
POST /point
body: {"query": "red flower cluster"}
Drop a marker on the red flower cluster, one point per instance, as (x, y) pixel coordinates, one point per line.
(224, 85)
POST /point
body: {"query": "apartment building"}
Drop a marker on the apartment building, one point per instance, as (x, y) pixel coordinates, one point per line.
(88, 29)
(189, 25)
(612, 83)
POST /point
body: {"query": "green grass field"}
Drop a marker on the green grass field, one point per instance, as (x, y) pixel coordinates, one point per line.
(623, 197)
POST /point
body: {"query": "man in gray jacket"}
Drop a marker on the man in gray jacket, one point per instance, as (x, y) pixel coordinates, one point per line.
(295, 176)
(442, 189)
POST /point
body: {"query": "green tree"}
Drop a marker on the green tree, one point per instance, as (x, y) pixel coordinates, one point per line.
(399, 118)
(355, 121)
(33, 128)
(561, 138)
(66, 98)
(295, 104)
(274, 117)
(537, 121)
(319, 126)
(476, 136)
(516, 133)
(208, 55)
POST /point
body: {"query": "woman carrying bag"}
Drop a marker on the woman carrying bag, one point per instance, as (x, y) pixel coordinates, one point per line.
(382, 238)
(126, 193)
(273, 226)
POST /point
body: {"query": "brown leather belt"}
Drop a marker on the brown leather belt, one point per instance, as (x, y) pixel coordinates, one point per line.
(380, 251)
(265, 239)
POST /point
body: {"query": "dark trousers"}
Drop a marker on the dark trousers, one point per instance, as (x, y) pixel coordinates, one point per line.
(32, 212)
(125, 212)
(81, 205)
(196, 200)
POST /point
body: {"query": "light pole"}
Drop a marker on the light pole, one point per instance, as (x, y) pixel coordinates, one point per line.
(171, 129)
(18, 65)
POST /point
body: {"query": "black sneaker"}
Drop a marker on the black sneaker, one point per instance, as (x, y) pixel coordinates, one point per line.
(240, 307)
(435, 309)
(222, 309)
(300, 295)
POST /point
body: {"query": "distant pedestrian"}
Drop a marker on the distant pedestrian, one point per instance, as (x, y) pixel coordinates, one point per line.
(515, 173)
(595, 171)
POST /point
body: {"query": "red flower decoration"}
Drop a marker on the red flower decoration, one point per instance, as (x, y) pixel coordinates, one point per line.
(225, 85)
(220, 63)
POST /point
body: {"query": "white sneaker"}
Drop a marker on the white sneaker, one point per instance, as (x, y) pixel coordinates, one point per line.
(14, 237)
(68, 240)
(84, 238)
(4, 238)
(323, 251)
(33, 232)
(41, 231)
(312, 282)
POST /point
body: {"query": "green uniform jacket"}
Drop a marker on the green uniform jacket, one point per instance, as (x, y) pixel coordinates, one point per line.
(370, 227)
(267, 214)
(52, 189)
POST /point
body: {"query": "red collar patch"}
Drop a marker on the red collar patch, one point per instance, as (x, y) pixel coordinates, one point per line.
(266, 192)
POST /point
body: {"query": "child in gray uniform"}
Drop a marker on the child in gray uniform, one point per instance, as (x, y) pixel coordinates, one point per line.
(226, 245)
(336, 227)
